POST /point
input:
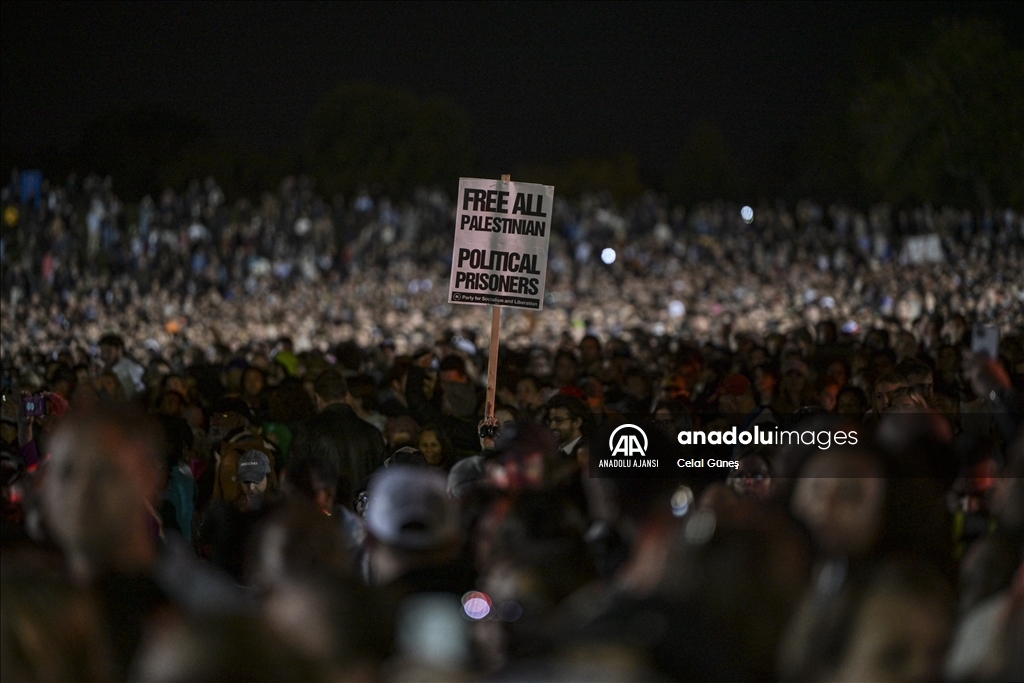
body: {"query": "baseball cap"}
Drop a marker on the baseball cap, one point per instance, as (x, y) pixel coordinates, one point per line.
(406, 455)
(253, 467)
(465, 475)
(408, 507)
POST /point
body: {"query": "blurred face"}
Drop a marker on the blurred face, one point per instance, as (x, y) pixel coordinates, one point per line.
(793, 381)
(765, 382)
(595, 397)
(252, 382)
(177, 384)
(565, 369)
(848, 404)
(251, 488)
(829, 397)
(590, 350)
(637, 387)
(252, 494)
(903, 403)
(689, 375)
(563, 425)
(504, 418)
(752, 478)
(430, 446)
(453, 376)
(924, 383)
(527, 395)
(97, 488)
(897, 637)
(110, 354)
(171, 403)
(429, 383)
(883, 395)
(875, 340)
(839, 496)
(837, 371)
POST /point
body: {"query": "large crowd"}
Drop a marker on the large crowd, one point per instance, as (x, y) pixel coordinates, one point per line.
(249, 440)
(192, 270)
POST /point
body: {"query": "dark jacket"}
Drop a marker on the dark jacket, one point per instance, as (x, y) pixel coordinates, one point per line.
(352, 443)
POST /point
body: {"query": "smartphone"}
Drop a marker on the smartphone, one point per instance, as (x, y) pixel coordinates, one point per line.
(34, 405)
(985, 339)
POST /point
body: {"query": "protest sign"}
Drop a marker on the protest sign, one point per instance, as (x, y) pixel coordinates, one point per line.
(502, 230)
(922, 249)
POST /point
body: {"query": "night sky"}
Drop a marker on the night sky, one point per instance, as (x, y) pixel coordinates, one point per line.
(540, 82)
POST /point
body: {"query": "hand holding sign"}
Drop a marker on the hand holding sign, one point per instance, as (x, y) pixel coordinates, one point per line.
(500, 255)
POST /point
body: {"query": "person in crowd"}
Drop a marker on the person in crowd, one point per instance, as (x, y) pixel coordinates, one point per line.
(355, 447)
(340, 625)
(254, 477)
(529, 398)
(180, 491)
(590, 355)
(265, 330)
(593, 391)
(536, 557)
(254, 381)
(856, 503)
(436, 447)
(128, 372)
(448, 400)
(362, 398)
(851, 402)
(566, 369)
(766, 380)
(99, 508)
(734, 398)
(898, 607)
(233, 436)
(49, 631)
(413, 538)
(884, 388)
(907, 399)
(753, 477)
(229, 525)
(568, 417)
(400, 431)
(918, 376)
(794, 390)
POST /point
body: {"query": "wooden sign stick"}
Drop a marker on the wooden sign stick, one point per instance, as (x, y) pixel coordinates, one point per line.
(492, 360)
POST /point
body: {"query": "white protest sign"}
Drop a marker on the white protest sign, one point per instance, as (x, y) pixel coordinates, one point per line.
(922, 249)
(502, 230)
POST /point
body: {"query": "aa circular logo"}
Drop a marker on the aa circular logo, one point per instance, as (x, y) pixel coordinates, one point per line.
(628, 440)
